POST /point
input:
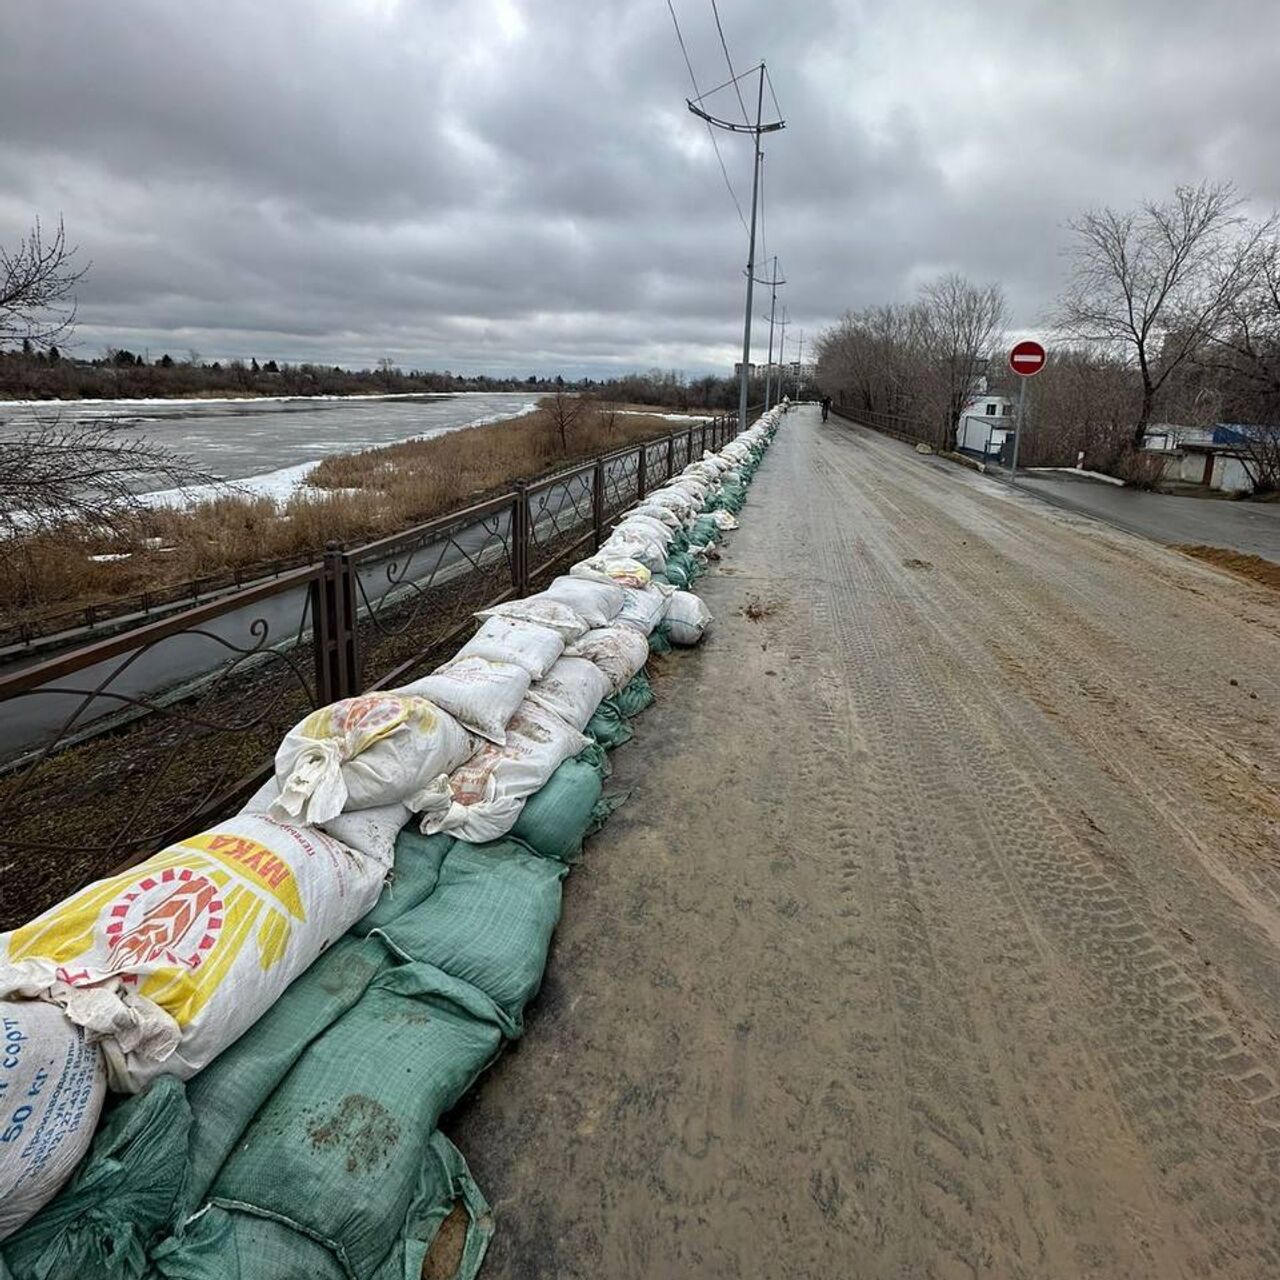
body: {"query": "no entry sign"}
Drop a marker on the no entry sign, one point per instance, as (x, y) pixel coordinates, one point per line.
(1027, 358)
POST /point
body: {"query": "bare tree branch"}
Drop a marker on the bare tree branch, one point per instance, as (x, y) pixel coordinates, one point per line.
(36, 282)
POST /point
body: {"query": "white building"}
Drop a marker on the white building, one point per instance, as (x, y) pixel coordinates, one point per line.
(984, 425)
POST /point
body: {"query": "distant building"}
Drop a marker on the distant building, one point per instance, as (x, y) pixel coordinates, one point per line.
(1202, 457)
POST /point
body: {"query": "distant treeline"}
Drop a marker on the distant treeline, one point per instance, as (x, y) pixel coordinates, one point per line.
(30, 374)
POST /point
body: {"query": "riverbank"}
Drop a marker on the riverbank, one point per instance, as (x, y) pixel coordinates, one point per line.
(354, 496)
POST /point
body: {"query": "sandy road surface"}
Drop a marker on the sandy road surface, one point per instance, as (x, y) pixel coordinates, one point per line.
(939, 936)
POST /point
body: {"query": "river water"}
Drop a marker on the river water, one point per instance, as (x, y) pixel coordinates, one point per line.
(268, 445)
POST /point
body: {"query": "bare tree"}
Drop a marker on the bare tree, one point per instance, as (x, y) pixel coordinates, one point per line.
(1156, 283)
(564, 409)
(960, 322)
(36, 282)
(55, 477)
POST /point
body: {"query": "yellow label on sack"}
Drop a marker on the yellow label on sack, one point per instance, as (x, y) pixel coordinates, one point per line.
(173, 927)
(368, 719)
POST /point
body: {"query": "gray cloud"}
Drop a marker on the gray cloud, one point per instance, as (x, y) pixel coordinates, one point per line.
(514, 185)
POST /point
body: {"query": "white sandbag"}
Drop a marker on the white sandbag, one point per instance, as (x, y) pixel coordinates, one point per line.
(649, 527)
(618, 651)
(483, 798)
(533, 647)
(725, 519)
(677, 500)
(573, 689)
(636, 545)
(687, 618)
(543, 611)
(596, 603)
(371, 832)
(482, 695)
(655, 511)
(168, 963)
(622, 571)
(643, 609)
(376, 749)
(52, 1087)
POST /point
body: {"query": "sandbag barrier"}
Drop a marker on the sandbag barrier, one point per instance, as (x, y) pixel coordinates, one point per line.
(274, 1100)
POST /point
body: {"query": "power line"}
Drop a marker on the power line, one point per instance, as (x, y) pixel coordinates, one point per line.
(715, 146)
(724, 44)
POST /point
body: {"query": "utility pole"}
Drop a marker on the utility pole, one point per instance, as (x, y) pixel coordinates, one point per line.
(775, 280)
(757, 131)
(782, 324)
(800, 364)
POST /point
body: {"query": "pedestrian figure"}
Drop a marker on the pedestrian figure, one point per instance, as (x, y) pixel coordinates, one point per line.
(826, 407)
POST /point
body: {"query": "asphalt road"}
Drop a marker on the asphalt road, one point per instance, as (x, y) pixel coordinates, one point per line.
(1251, 527)
(939, 935)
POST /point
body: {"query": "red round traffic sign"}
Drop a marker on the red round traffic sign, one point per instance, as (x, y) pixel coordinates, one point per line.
(1027, 358)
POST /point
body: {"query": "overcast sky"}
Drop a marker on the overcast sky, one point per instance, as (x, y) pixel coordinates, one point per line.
(516, 185)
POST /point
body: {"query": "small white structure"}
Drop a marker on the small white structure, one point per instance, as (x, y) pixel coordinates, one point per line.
(985, 424)
(1203, 457)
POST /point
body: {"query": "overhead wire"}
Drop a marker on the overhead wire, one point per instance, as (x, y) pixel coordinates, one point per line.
(715, 146)
(724, 44)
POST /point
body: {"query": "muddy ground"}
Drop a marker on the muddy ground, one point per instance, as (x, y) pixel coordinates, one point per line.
(939, 935)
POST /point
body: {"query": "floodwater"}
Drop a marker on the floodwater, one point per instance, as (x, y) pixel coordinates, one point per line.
(270, 444)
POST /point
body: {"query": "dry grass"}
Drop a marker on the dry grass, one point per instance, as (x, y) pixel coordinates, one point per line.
(350, 498)
(1255, 568)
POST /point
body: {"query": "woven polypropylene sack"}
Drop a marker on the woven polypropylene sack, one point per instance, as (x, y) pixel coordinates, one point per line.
(618, 651)
(168, 963)
(489, 922)
(376, 749)
(338, 1150)
(413, 876)
(543, 611)
(227, 1094)
(238, 1244)
(502, 639)
(482, 799)
(554, 821)
(609, 727)
(596, 603)
(573, 689)
(52, 1086)
(125, 1193)
(635, 697)
(482, 694)
(687, 618)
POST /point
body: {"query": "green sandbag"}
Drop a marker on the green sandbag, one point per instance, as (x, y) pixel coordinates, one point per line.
(677, 576)
(413, 877)
(337, 1153)
(608, 726)
(636, 696)
(555, 819)
(704, 530)
(229, 1244)
(597, 757)
(660, 639)
(226, 1095)
(489, 922)
(122, 1195)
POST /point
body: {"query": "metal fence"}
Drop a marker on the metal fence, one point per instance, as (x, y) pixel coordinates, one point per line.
(115, 748)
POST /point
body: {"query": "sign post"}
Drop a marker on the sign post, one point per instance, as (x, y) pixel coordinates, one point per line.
(1026, 360)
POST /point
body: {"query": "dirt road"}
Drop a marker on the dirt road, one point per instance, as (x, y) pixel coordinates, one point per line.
(939, 936)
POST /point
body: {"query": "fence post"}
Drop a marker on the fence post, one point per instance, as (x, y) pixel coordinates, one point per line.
(704, 439)
(597, 504)
(671, 455)
(520, 539)
(333, 603)
(642, 471)
(689, 456)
